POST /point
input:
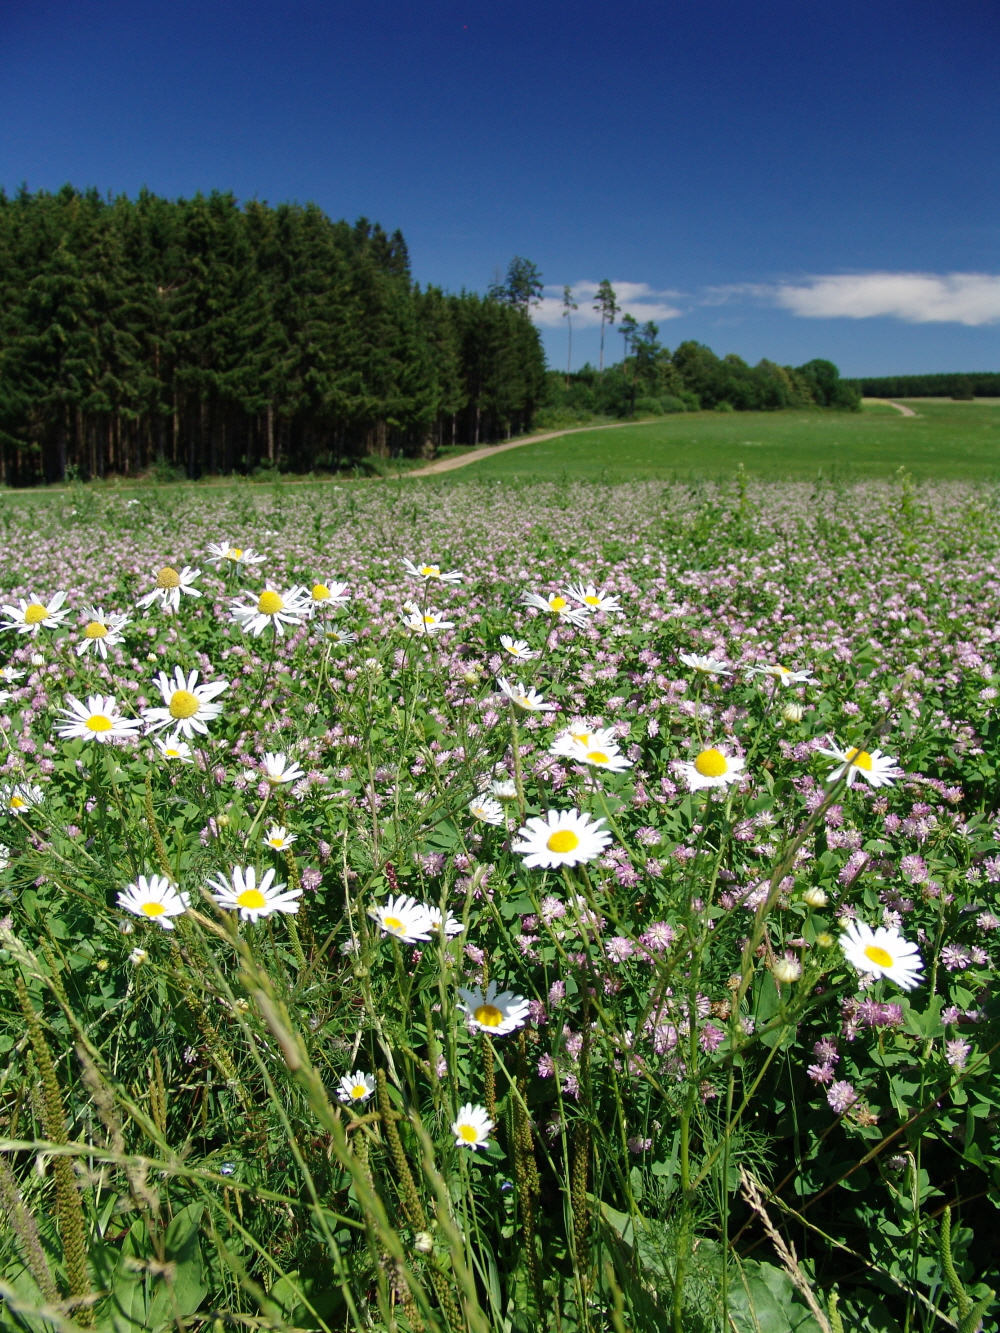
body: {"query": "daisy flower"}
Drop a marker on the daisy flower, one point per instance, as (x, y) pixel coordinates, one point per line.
(784, 674)
(170, 584)
(271, 608)
(487, 809)
(592, 599)
(328, 594)
(427, 622)
(432, 572)
(341, 636)
(562, 838)
(279, 769)
(222, 553)
(876, 768)
(556, 605)
(503, 789)
(101, 632)
(241, 892)
(155, 898)
(596, 751)
(489, 1012)
(472, 1127)
(525, 696)
(174, 748)
(882, 952)
(278, 838)
(188, 707)
(452, 925)
(356, 1087)
(96, 720)
(712, 768)
(708, 666)
(576, 734)
(517, 649)
(10, 674)
(404, 918)
(21, 796)
(28, 617)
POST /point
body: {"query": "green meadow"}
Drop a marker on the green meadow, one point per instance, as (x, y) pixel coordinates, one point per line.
(945, 440)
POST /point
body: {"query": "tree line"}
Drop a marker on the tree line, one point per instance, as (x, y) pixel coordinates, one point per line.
(199, 335)
(985, 384)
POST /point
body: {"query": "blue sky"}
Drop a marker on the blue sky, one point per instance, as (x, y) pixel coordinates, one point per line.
(778, 178)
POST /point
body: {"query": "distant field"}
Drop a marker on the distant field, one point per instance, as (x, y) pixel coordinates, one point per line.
(945, 440)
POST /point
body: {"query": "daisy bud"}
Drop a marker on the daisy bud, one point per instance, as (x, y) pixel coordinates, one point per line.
(815, 898)
(423, 1242)
(786, 970)
(825, 940)
(792, 712)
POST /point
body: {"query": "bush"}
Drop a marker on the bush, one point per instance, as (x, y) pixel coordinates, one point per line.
(670, 403)
(649, 405)
(724, 406)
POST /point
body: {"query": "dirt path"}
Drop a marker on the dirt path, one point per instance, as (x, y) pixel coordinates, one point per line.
(474, 455)
(887, 402)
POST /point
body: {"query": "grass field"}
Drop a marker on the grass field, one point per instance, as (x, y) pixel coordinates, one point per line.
(946, 440)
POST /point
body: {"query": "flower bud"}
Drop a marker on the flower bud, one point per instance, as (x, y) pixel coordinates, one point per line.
(792, 712)
(423, 1242)
(815, 898)
(786, 969)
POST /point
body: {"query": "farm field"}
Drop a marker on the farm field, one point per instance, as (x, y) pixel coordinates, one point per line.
(505, 907)
(945, 440)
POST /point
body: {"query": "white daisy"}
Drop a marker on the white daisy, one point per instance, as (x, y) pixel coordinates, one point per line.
(328, 594)
(18, 797)
(517, 649)
(188, 707)
(241, 892)
(486, 809)
(452, 925)
(341, 636)
(882, 952)
(278, 838)
(578, 733)
(170, 584)
(10, 674)
(593, 748)
(280, 770)
(155, 898)
(137, 957)
(174, 748)
(30, 616)
(592, 599)
(556, 605)
(427, 622)
(429, 572)
(96, 720)
(525, 696)
(223, 553)
(472, 1127)
(784, 674)
(404, 918)
(503, 789)
(708, 666)
(562, 838)
(273, 608)
(489, 1012)
(101, 632)
(356, 1087)
(712, 768)
(876, 768)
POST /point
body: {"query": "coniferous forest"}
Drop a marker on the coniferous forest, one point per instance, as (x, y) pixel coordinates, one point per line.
(201, 336)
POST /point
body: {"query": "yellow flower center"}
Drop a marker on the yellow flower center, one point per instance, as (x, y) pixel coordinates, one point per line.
(878, 956)
(597, 757)
(430, 571)
(251, 898)
(153, 909)
(358, 1091)
(429, 620)
(320, 592)
(557, 603)
(234, 553)
(95, 630)
(35, 613)
(18, 803)
(171, 753)
(860, 759)
(513, 649)
(563, 840)
(183, 704)
(98, 722)
(276, 842)
(468, 1133)
(488, 1016)
(393, 924)
(168, 578)
(592, 601)
(711, 764)
(270, 603)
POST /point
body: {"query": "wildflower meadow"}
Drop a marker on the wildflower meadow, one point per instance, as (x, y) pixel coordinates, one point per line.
(491, 909)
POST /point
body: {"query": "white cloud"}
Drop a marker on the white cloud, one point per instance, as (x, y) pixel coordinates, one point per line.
(918, 298)
(635, 298)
